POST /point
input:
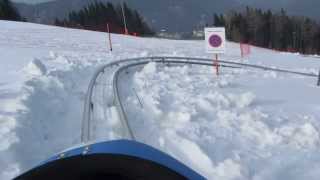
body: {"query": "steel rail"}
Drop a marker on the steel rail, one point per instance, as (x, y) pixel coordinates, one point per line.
(88, 106)
(243, 64)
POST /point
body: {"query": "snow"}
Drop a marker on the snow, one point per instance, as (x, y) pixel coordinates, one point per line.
(243, 124)
(233, 130)
(6, 132)
(35, 68)
(233, 170)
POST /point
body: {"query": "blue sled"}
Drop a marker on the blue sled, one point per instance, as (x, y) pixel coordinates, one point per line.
(121, 159)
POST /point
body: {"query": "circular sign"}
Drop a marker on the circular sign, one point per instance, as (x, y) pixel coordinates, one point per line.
(215, 41)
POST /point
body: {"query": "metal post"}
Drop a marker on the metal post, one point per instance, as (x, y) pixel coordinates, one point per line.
(124, 19)
(319, 79)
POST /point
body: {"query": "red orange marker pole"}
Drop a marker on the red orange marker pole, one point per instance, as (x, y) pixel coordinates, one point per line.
(245, 49)
(110, 42)
(126, 32)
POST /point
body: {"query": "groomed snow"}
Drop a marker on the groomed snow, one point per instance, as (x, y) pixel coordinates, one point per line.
(244, 124)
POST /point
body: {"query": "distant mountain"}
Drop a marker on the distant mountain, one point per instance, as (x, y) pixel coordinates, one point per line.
(31, 1)
(172, 15)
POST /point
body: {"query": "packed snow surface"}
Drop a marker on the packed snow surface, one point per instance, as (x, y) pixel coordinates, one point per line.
(243, 124)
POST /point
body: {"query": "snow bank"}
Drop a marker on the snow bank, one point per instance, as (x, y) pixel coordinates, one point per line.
(49, 97)
(222, 131)
(7, 134)
(35, 68)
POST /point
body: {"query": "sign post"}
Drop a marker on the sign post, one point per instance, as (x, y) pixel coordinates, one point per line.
(109, 34)
(215, 43)
(216, 64)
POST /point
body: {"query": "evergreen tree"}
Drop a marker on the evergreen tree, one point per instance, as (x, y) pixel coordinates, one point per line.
(8, 11)
(216, 20)
(276, 31)
(96, 16)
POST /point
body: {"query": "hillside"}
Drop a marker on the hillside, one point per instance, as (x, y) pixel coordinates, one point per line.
(179, 16)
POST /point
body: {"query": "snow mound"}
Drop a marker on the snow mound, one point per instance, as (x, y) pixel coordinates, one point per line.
(7, 133)
(228, 170)
(300, 136)
(49, 97)
(214, 124)
(35, 68)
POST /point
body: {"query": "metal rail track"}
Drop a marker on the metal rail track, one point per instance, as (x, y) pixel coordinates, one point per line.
(127, 63)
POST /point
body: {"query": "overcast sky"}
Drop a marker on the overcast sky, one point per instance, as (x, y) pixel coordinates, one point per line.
(32, 1)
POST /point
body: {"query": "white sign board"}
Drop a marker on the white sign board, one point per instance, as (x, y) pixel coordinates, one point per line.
(215, 40)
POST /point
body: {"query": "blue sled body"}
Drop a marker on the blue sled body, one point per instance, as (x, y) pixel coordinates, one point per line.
(121, 159)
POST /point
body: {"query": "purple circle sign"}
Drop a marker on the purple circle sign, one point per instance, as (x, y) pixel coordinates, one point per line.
(215, 41)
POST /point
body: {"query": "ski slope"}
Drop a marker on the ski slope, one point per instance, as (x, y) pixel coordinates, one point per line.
(244, 124)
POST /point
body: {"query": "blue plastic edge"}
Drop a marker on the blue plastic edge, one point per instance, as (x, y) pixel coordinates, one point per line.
(130, 148)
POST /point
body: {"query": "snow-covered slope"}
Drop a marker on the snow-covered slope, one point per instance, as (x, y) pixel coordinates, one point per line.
(245, 124)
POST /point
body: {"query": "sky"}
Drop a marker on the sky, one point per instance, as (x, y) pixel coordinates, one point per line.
(32, 1)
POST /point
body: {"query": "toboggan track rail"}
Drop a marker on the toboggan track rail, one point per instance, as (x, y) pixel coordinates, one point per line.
(129, 63)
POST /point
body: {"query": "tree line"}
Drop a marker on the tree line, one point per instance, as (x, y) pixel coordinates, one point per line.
(271, 30)
(97, 15)
(9, 12)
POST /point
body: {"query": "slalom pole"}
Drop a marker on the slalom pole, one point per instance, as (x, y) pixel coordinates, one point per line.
(109, 34)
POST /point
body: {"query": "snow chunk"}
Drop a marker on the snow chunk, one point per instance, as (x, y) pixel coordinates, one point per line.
(306, 136)
(115, 119)
(35, 68)
(270, 74)
(62, 59)
(225, 119)
(219, 99)
(161, 142)
(194, 154)
(228, 170)
(252, 127)
(180, 116)
(298, 136)
(7, 135)
(243, 100)
(53, 55)
(150, 68)
(204, 104)
(10, 172)
(177, 120)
